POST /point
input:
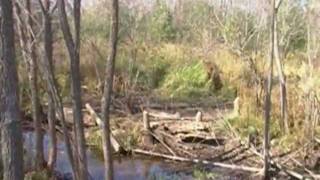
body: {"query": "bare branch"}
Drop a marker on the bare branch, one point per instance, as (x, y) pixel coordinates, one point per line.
(42, 7)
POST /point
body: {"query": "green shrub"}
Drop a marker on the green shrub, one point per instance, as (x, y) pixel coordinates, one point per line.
(187, 81)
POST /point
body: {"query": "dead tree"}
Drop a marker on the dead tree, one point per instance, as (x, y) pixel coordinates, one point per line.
(46, 69)
(282, 78)
(48, 55)
(52, 85)
(33, 81)
(267, 108)
(1, 97)
(73, 46)
(26, 37)
(108, 84)
(11, 133)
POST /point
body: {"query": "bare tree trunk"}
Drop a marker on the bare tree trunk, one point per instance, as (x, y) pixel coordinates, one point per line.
(11, 133)
(282, 80)
(52, 84)
(49, 56)
(48, 73)
(108, 84)
(29, 56)
(267, 108)
(33, 80)
(1, 97)
(73, 47)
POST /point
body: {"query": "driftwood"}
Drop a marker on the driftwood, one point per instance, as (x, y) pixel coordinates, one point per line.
(115, 144)
(205, 162)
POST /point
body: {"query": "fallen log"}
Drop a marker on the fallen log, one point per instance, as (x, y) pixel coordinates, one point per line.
(147, 138)
(115, 144)
(163, 143)
(227, 104)
(164, 115)
(205, 162)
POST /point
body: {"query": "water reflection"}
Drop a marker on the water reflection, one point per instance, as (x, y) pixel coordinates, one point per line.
(125, 168)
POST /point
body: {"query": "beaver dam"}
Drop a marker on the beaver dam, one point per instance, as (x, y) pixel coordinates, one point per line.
(175, 141)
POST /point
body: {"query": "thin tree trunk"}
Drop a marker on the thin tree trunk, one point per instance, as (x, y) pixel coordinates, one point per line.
(11, 133)
(48, 73)
(33, 80)
(52, 156)
(267, 108)
(29, 56)
(52, 85)
(1, 97)
(108, 84)
(282, 81)
(73, 47)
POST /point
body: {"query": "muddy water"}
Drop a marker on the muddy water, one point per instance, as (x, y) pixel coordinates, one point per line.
(127, 168)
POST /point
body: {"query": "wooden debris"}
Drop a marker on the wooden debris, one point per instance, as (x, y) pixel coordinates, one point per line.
(236, 106)
(279, 166)
(205, 162)
(147, 138)
(163, 143)
(164, 115)
(115, 144)
(94, 115)
(199, 116)
(188, 127)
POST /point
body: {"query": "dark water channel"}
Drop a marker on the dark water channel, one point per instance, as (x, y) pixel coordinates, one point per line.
(126, 168)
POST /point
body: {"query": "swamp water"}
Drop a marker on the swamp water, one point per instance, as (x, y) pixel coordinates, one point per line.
(126, 168)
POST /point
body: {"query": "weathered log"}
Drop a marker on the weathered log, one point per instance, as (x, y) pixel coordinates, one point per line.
(236, 106)
(163, 143)
(205, 162)
(164, 115)
(198, 117)
(94, 115)
(147, 138)
(227, 104)
(115, 144)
